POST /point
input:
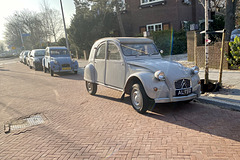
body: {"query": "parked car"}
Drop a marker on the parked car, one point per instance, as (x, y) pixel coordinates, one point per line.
(24, 56)
(135, 67)
(57, 59)
(235, 32)
(27, 58)
(20, 57)
(35, 59)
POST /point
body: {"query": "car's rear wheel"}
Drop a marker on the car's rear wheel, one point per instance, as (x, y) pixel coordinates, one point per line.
(139, 99)
(75, 72)
(51, 71)
(91, 87)
(30, 66)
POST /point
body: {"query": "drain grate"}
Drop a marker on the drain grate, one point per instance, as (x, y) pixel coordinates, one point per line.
(24, 123)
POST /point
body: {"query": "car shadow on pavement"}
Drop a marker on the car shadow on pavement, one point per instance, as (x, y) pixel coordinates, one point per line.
(4, 69)
(71, 76)
(207, 119)
(202, 118)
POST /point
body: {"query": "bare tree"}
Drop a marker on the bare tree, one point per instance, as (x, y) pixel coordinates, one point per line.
(23, 23)
(52, 22)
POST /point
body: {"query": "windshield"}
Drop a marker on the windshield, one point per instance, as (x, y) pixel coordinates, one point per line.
(56, 52)
(39, 53)
(139, 49)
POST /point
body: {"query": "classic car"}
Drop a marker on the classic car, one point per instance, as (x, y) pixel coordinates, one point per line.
(35, 59)
(57, 59)
(135, 66)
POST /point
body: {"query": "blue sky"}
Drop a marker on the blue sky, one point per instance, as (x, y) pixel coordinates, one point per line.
(8, 7)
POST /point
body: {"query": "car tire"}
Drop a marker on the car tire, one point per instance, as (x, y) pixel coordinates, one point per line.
(44, 69)
(139, 99)
(30, 67)
(51, 71)
(91, 87)
(75, 72)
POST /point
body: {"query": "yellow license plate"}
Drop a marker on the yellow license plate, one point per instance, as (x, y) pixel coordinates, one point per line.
(66, 68)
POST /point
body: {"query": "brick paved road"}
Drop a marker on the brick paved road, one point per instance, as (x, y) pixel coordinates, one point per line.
(80, 126)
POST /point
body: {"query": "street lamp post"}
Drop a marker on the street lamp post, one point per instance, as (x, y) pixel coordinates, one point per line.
(206, 41)
(21, 38)
(64, 27)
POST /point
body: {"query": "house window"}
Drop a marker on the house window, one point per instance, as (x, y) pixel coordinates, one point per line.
(149, 1)
(154, 27)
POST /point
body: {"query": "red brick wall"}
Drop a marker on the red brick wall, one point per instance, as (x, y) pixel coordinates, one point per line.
(173, 12)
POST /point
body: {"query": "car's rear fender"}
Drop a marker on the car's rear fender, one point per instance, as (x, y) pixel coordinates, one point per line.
(89, 73)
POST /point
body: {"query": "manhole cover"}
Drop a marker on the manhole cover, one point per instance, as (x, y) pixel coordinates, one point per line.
(24, 123)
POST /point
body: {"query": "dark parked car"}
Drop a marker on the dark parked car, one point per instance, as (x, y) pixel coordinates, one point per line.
(35, 59)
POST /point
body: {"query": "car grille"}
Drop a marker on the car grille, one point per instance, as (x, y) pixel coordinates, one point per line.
(65, 65)
(182, 83)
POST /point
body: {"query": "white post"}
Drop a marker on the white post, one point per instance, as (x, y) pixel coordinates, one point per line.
(206, 41)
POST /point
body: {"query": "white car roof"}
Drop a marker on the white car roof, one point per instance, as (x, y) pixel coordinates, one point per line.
(127, 39)
(56, 47)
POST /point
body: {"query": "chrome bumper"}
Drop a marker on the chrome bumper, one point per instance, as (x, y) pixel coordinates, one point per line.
(176, 99)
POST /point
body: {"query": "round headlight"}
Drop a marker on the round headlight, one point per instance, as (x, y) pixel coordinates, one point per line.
(159, 75)
(55, 62)
(195, 70)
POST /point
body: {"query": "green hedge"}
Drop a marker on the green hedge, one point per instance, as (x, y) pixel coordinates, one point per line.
(163, 40)
(234, 57)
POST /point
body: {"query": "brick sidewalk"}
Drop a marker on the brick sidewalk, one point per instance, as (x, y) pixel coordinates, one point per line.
(80, 126)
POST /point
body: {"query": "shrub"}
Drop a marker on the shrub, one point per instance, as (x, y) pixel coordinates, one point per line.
(234, 57)
(163, 40)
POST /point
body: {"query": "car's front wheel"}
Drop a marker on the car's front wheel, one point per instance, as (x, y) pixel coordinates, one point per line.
(44, 69)
(139, 99)
(91, 87)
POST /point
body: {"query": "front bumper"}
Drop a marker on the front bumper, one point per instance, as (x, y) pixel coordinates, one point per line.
(176, 99)
(72, 70)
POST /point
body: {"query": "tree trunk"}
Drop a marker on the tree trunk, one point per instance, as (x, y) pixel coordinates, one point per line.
(119, 17)
(230, 17)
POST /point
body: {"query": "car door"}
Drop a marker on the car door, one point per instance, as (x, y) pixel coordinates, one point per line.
(99, 63)
(115, 66)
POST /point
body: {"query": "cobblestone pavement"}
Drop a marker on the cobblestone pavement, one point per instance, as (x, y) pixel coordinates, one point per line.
(80, 126)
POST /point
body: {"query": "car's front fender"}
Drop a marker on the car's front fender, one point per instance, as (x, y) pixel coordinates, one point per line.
(75, 65)
(149, 82)
(89, 73)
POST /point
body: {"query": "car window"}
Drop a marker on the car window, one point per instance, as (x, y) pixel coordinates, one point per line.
(39, 53)
(139, 49)
(113, 52)
(59, 52)
(101, 52)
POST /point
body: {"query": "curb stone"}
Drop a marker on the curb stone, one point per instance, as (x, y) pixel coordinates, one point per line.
(219, 103)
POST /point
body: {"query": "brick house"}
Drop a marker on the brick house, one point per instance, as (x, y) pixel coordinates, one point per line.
(154, 15)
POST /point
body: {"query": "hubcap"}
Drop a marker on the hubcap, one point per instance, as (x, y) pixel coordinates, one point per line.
(137, 98)
(89, 86)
